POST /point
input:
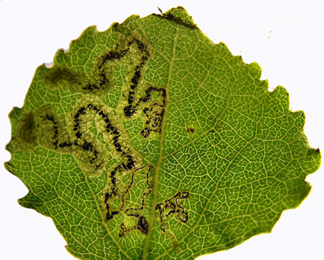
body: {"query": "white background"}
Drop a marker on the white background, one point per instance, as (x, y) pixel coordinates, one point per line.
(284, 37)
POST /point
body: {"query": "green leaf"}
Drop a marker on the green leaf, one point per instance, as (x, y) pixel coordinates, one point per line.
(148, 141)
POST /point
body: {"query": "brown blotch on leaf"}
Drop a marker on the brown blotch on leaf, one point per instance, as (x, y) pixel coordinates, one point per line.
(63, 76)
(26, 137)
(142, 225)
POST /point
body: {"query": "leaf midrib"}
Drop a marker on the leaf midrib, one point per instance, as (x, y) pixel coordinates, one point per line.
(158, 167)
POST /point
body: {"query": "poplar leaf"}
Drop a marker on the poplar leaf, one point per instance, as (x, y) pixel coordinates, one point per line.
(149, 141)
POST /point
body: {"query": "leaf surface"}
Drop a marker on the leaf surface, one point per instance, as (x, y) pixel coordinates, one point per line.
(148, 141)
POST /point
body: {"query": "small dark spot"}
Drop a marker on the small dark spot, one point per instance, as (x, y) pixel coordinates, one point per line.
(78, 134)
(115, 26)
(190, 130)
